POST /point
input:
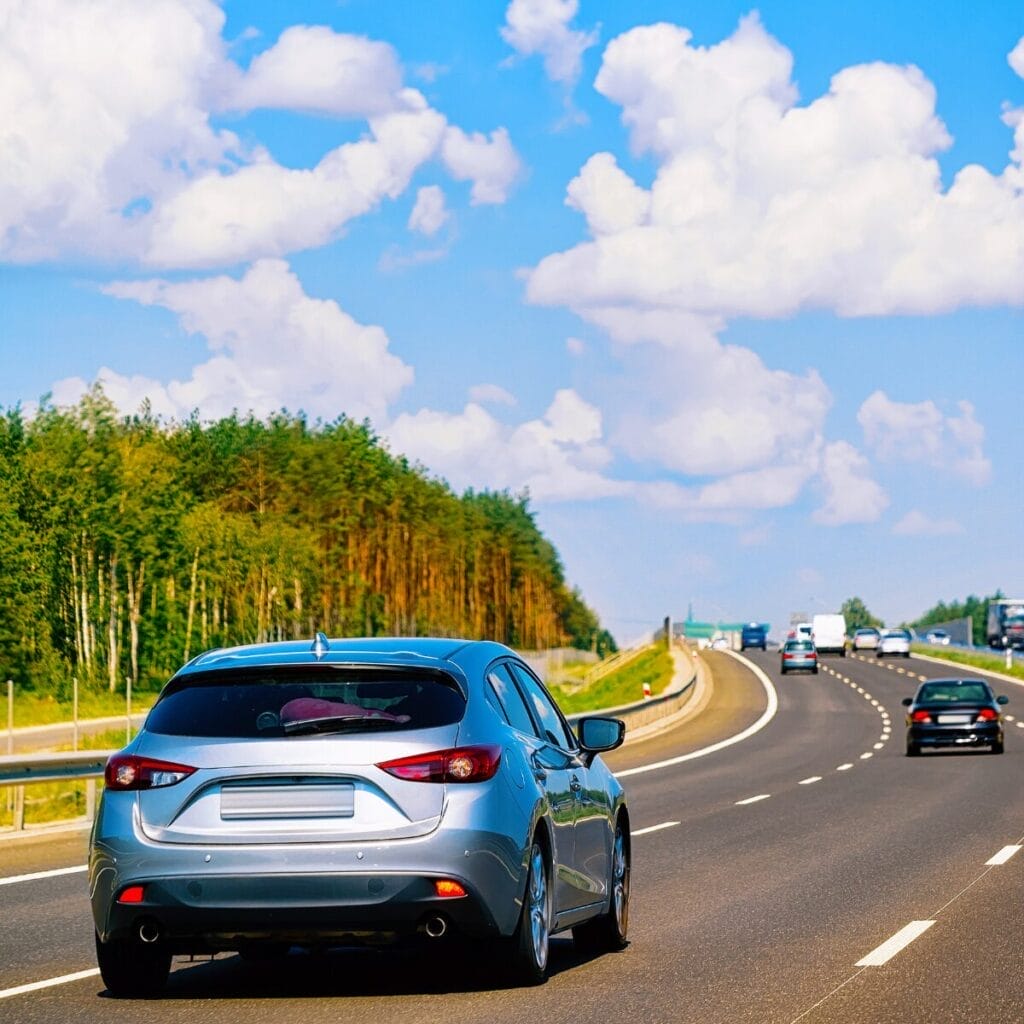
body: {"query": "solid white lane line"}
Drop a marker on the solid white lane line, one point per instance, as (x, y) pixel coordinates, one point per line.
(844, 767)
(808, 782)
(653, 828)
(1003, 855)
(753, 799)
(11, 879)
(888, 949)
(35, 986)
(769, 713)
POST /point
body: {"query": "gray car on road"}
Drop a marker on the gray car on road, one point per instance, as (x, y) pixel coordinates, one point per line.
(363, 791)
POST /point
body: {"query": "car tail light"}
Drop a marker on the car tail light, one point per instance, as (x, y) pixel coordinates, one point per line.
(460, 764)
(988, 715)
(128, 771)
(133, 894)
(787, 657)
(920, 716)
(447, 889)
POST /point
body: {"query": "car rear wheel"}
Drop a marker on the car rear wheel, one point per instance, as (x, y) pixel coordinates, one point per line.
(997, 747)
(913, 750)
(131, 970)
(608, 932)
(528, 963)
(814, 671)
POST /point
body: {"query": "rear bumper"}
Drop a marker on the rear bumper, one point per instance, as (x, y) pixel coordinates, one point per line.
(229, 912)
(955, 735)
(803, 665)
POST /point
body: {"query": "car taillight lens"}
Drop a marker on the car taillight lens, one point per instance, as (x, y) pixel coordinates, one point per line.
(460, 764)
(920, 716)
(133, 894)
(988, 715)
(128, 771)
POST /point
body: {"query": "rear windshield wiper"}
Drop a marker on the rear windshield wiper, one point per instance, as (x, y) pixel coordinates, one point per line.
(339, 723)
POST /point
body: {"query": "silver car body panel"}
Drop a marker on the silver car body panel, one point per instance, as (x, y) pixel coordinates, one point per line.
(305, 837)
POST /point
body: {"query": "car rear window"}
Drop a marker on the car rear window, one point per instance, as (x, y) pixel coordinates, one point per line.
(799, 645)
(953, 692)
(275, 703)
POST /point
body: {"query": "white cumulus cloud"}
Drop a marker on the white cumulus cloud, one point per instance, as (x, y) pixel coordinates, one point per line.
(491, 163)
(763, 207)
(430, 213)
(559, 457)
(272, 346)
(916, 524)
(919, 432)
(107, 115)
(851, 495)
(542, 26)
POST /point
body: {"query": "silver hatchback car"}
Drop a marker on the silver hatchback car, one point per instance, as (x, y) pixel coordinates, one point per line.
(351, 792)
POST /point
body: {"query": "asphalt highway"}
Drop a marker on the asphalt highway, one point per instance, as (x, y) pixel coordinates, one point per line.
(808, 872)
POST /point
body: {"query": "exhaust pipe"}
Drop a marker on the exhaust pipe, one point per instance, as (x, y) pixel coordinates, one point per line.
(148, 931)
(435, 927)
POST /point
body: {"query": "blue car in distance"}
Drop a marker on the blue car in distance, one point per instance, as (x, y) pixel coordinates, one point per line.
(754, 635)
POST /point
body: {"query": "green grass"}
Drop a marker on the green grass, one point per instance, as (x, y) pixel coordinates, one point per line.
(39, 709)
(991, 662)
(622, 687)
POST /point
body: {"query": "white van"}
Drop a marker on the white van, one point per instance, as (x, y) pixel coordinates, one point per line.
(829, 634)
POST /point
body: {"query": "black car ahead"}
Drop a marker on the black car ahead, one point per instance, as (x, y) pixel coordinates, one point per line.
(954, 713)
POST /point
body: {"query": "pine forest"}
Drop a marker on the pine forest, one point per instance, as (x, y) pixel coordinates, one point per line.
(128, 545)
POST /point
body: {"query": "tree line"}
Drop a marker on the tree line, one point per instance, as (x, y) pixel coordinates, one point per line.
(972, 607)
(128, 545)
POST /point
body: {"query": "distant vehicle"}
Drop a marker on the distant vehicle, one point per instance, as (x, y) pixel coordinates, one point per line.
(866, 639)
(235, 819)
(798, 655)
(954, 713)
(754, 635)
(801, 631)
(1005, 623)
(937, 636)
(894, 641)
(719, 642)
(829, 634)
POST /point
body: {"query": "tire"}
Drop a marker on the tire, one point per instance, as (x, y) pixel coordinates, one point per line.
(842, 653)
(997, 747)
(782, 671)
(764, 647)
(907, 655)
(607, 933)
(131, 970)
(530, 943)
(814, 671)
(913, 750)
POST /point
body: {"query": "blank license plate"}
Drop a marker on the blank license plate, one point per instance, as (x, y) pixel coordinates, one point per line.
(330, 800)
(955, 719)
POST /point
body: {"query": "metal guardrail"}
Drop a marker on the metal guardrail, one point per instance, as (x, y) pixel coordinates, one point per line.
(21, 770)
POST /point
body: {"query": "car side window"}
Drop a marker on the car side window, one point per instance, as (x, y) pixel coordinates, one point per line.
(509, 700)
(556, 731)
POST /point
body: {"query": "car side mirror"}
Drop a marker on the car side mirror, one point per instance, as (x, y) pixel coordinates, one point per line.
(598, 735)
(907, 701)
(1002, 699)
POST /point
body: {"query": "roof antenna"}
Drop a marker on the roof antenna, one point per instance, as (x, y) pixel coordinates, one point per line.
(320, 645)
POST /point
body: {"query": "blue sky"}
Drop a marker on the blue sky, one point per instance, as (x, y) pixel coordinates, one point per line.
(736, 294)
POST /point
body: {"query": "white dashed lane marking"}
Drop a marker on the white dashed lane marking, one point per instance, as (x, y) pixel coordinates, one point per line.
(653, 828)
(808, 782)
(1002, 856)
(887, 950)
(753, 799)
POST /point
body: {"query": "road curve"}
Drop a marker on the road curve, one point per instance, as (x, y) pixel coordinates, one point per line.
(764, 873)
